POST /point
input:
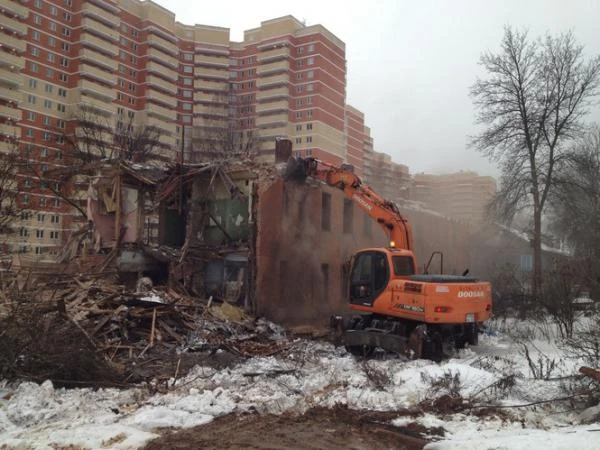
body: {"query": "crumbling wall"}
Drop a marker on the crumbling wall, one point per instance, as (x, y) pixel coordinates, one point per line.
(301, 268)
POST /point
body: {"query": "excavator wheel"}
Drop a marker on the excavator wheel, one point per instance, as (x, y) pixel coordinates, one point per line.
(433, 347)
(363, 351)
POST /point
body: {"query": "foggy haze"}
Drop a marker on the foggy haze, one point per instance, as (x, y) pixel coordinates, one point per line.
(410, 63)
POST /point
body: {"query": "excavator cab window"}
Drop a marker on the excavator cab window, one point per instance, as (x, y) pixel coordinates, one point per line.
(403, 265)
(369, 277)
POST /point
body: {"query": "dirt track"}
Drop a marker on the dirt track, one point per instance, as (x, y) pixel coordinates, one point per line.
(319, 428)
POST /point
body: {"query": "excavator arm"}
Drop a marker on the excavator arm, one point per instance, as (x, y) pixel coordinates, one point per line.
(384, 212)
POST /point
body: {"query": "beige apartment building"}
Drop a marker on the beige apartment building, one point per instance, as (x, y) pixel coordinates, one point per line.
(461, 195)
(129, 64)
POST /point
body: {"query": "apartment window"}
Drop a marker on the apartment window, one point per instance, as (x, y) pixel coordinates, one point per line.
(187, 81)
(34, 67)
(309, 126)
(47, 104)
(310, 74)
(47, 120)
(300, 50)
(64, 77)
(39, 234)
(56, 203)
(31, 116)
(308, 139)
(31, 99)
(188, 56)
(46, 136)
(348, 215)
(123, 41)
(131, 101)
(300, 63)
(134, 33)
(298, 114)
(43, 202)
(187, 118)
(60, 139)
(67, 16)
(299, 102)
(29, 133)
(187, 93)
(37, 19)
(298, 140)
(122, 55)
(62, 92)
(124, 28)
(65, 47)
(35, 35)
(310, 61)
(122, 68)
(131, 87)
(44, 167)
(298, 127)
(64, 62)
(298, 89)
(66, 32)
(310, 87)
(60, 124)
(38, 4)
(58, 155)
(61, 108)
(309, 113)
(25, 199)
(51, 42)
(133, 59)
(53, 10)
(299, 76)
(186, 106)
(52, 26)
(188, 69)
(41, 217)
(43, 154)
(35, 51)
(311, 48)
(132, 73)
(48, 88)
(23, 232)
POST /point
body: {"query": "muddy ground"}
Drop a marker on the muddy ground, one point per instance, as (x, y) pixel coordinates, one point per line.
(319, 428)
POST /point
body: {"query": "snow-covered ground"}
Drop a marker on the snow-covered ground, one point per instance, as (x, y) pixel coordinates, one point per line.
(318, 374)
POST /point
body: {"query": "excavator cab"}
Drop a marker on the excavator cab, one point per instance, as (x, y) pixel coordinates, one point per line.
(372, 270)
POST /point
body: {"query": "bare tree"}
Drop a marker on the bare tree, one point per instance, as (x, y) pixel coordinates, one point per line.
(576, 206)
(9, 163)
(532, 103)
(97, 141)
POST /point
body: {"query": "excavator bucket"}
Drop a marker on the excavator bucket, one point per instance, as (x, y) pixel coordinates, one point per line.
(295, 170)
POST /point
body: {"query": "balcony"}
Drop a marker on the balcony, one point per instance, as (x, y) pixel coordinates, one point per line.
(203, 72)
(163, 58)
(12, 43)
(221, 87)
(270, 107)
(210, 97)
(165, 127)
(96, 90)
(93, 72)
(169, 74)
(273, 121)
(213, 61)
(10, 79)
(153, 94)
(98, 59)
(94, 104)
(11, 95)
(14, 8)
(161, 84)
(275, 67)
(10, 131)
(100, 15)
(99, 29)
(162, 44)
(89, 40)
(265, 83)
(10, 24)
(161, 112)
(274, 55)
(269, 94)
(8, 113)
(11, 62)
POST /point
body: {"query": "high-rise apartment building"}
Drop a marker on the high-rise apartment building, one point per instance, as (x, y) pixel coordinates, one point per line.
(126, 64)
(461, 195)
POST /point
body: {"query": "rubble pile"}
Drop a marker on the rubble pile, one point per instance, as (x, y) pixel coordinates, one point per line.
(145, 333)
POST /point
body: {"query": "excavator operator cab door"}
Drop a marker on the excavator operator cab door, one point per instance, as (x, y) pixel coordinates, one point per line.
(369, 276)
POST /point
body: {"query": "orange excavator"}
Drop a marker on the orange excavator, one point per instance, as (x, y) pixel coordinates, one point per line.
(398, 310)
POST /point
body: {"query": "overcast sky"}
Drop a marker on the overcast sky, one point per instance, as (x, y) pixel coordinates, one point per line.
(410, 63)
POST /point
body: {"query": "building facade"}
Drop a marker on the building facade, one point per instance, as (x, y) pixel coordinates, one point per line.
(128, 65)
(461, 195)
